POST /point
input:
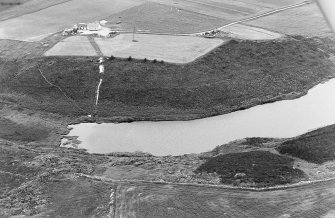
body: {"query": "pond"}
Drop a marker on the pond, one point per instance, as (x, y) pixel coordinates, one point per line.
(287, 118)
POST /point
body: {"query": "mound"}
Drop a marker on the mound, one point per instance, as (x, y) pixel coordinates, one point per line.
(317, 146)
(255, 168)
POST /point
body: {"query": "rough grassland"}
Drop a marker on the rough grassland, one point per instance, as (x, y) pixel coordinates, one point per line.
(174, 49)
(36, 26)
(254, 168)
(308, 21)
(317, 146)
(234, 76)
(159, 18)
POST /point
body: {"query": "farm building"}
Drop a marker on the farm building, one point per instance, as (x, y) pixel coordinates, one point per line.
(93, 26)
(82, 26)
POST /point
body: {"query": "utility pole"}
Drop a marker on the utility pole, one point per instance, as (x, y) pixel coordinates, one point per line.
(134, 35)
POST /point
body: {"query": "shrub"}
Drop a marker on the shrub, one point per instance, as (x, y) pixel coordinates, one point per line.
(145, 59)
(155, 61)
(130, 58)
(112, 57)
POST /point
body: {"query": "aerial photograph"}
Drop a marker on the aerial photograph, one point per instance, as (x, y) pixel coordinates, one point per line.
(167, 108)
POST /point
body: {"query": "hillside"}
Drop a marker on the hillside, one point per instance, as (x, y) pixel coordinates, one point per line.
(317, 146)
(234, 76)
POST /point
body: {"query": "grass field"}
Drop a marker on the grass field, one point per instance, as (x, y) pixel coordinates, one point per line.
(149, 17)
(29, 6)
(7, 4)
(245, 32)
(72, 46)
(305, 20)
(40, 24)
(175, 49)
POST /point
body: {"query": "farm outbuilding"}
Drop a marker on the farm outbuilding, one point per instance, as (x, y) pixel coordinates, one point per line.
(93, 26)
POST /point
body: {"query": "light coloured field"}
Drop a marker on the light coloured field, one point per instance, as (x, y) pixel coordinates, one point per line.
(160, 18)
(38, 25)
(250, 33)
(176, 49)
(305, 20)
(72, 46)
(228, 9)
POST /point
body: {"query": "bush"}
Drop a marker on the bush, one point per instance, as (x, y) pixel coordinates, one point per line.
(130, 58)
(162, 62)
(112, 57)
(155, 61)
(145, 60)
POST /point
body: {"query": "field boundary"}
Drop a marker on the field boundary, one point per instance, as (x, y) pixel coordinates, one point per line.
(274, 188)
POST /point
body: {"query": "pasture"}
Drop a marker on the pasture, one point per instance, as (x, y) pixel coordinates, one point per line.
(26, 7)
(38, 19)
(241, 31)
(72, 46)
(148, 17)
(40, 24)
(176, 49)
(305, 20)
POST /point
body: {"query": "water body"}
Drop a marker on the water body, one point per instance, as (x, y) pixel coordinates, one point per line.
(286, 118)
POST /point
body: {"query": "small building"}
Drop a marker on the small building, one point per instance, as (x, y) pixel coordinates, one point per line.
(82, 26)
(93, 26)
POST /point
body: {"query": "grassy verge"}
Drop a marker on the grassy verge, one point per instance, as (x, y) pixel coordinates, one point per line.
(234, 76)
(255, 169)
(317, 146)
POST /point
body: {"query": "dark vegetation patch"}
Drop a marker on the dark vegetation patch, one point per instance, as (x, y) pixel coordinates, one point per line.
(234, 76)
(317, 146)
(255, 168)
(10, 130)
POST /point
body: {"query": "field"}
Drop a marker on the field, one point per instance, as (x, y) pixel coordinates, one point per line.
(227, 9)
(148, 17)
(38, 19)
(175, 49)
(305, 20)
(7, 4)
(72, 46)
(29, 6)
(245, 32)
(36, 26)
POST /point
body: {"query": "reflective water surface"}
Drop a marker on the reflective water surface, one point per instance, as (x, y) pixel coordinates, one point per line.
(286, 118)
